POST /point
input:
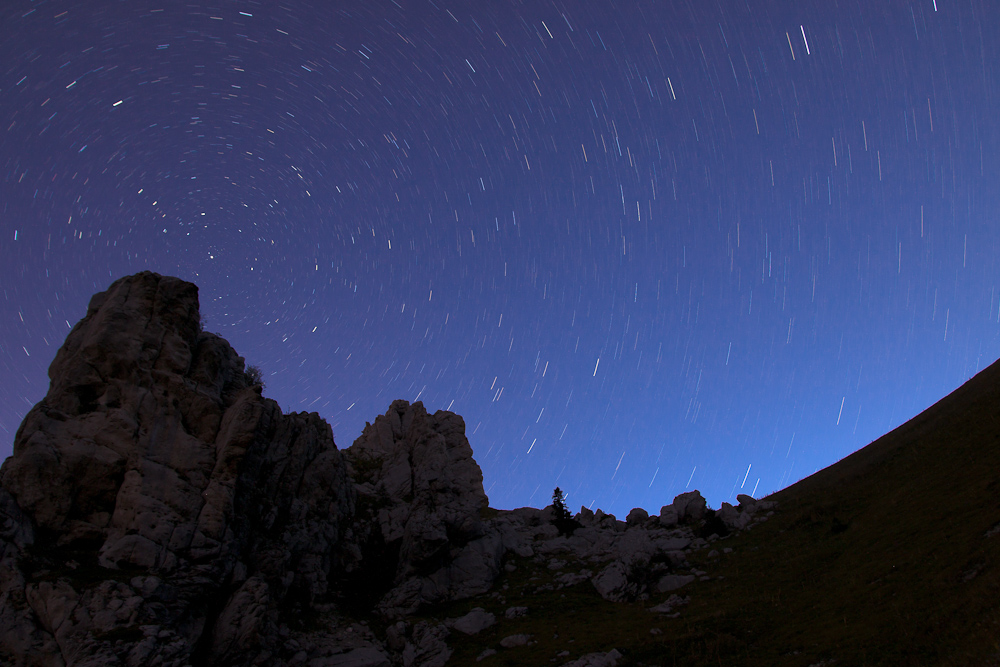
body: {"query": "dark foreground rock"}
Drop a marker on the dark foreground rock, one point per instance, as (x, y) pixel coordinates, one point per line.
(158, 510)
(422, 503)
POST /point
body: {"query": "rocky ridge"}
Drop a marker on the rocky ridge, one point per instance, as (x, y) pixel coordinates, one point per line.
(158, 510)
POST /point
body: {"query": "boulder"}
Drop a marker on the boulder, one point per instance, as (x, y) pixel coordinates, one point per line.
(732, 518)
(512, 641)
(635, 547)
(515, 612)
(670, 604)
(672, 543)
(668, 516)
(672, 582)
(592, 543)
(690, 507)
(677, 558)
(474, 622)
(637, 517)
(602, 518)
(514, 540)
(573, 578)
(612, 582)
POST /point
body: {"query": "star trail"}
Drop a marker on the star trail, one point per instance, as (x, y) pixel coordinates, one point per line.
(641, 247)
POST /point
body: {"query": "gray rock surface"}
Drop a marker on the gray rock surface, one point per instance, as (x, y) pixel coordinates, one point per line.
(427, 647)
(635, 547)
(416, 472)
(672, 582)
(746, 503)
(690, 507)
(158, 510)
(668, 516)
(732, 517)
(152, 450)
(670, 604)
(474, 622)
(515, 612)
(512, 641)
(612, 582)
(637, 516)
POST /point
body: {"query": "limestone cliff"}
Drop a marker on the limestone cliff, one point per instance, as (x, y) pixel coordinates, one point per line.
(158, 510)
(153, 468)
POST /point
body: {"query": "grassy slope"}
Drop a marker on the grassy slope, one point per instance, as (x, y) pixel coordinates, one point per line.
(879, 559)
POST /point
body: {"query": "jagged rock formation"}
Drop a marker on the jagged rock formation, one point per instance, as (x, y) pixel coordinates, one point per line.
(158, 510)
(151, 465)
(632, 558)
(424, 497)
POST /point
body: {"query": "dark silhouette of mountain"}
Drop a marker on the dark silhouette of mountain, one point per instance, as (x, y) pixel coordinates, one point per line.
(159, 510)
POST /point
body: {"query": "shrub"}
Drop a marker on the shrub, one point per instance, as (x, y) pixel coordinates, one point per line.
(713, 526)
(253, 376)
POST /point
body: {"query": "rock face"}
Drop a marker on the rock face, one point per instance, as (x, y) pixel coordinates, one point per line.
(424, 497)
(689, 507)
(152, 467)
(158, 510)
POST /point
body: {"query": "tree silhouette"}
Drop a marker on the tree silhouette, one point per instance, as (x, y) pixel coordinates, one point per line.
(559, 505)
(564, 520)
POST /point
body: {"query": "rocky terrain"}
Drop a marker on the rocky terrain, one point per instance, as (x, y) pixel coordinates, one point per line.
(158, 510)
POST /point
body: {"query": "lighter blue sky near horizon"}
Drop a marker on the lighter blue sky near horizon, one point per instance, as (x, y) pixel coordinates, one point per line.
(641, 247)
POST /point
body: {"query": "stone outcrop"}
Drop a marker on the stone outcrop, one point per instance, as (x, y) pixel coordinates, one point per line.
(152, 466)
(424, 497)
(637, 516)
(689, 507)
(635, 557)
(158, 510)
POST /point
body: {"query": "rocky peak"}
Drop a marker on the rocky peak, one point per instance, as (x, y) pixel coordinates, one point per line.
(422, 501)
(159, 510)
(419, 467)
(151, 454)
(118, 372)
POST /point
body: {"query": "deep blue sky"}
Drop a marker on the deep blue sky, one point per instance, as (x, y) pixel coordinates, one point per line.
(641, 247)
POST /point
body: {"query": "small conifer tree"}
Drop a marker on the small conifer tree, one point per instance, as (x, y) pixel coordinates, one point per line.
(559, 505)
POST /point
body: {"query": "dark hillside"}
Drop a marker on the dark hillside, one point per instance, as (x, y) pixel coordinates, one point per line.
(901, 527)
(888, 557)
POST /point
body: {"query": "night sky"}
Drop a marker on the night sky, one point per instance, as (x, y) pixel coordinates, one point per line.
(641, 247)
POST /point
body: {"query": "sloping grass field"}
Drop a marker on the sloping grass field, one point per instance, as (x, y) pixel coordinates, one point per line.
(888, 557)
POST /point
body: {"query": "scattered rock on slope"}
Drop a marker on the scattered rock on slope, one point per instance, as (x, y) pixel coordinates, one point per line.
(158, 510)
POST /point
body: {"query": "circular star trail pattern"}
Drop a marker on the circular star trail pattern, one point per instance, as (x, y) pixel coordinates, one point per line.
(641, 247)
